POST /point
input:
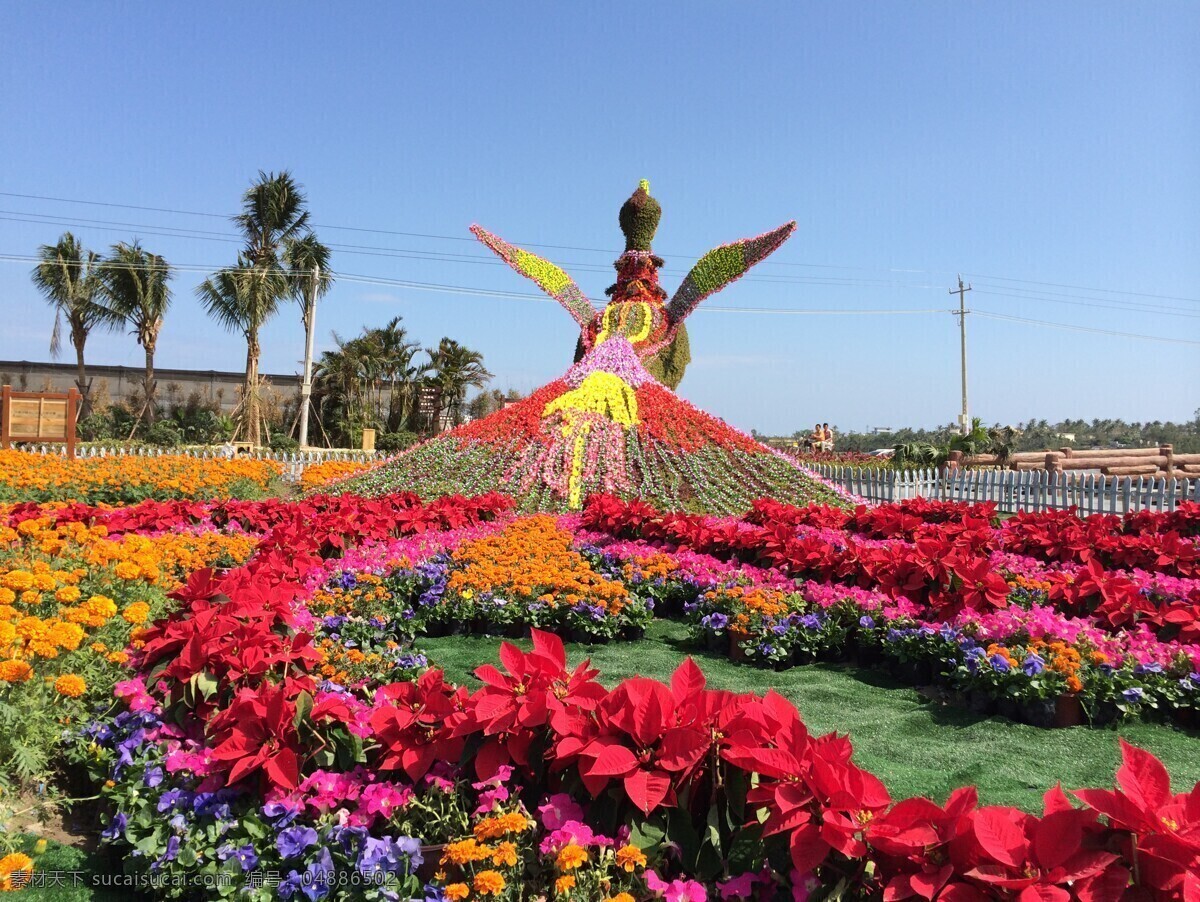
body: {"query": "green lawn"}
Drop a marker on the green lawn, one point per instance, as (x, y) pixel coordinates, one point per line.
(915, 746)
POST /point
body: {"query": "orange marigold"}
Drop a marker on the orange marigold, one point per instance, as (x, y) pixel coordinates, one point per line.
(630, 857)
(564, 885)
(70, 685)
(457, 891)
(489, 883)
(571, 857)
(15, 671)
(137, 613)
(505, 855)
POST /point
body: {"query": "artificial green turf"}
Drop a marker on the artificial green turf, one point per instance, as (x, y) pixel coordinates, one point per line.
(915, 746)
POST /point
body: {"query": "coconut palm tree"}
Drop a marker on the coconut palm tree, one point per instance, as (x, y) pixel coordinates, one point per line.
(274, 212)
(136, 295)
(242, 298)
(273, 222)
(307, 261)
(455, 369)
(67, 275)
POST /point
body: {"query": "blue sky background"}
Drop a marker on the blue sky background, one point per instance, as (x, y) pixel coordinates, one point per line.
(1046, 151)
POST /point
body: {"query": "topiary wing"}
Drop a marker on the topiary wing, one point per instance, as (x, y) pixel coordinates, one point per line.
(548, 277)
(722, 265)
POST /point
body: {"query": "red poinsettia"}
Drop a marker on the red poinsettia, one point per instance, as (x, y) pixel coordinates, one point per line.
(257, 733)
(648, 736)
(514, 709)
(1161, 830)
(414, 724)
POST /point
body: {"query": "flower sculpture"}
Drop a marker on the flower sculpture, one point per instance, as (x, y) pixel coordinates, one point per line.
(613, 423)
(638, 309)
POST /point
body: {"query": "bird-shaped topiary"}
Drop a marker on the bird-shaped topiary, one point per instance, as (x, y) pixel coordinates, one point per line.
(638, 308)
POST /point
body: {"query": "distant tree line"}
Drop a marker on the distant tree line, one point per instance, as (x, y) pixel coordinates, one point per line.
(1035, 435)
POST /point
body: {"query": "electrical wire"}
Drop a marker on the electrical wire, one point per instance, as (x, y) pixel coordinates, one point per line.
(1110, 291)
(1073, 328)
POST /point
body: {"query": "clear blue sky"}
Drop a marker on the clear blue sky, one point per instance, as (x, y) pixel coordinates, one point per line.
(1047, 151)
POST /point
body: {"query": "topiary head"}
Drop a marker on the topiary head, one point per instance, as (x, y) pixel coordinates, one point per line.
(639, 218)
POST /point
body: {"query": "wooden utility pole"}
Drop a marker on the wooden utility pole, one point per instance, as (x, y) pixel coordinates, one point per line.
(961, 313)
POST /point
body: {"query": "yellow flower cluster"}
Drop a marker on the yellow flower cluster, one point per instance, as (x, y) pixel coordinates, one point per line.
(601, 393)
(42, 477)
(320, 475)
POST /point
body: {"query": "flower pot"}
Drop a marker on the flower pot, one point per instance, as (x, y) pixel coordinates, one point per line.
(436, 629)
(1009, 707)
(718, 642)
(736, 652)
(431, 857)
(1103, 713)
(1039, 713)
(803, 656)
(1068, 711)
(515, 630)
(633, 633)
(868, 655)
(979, 702)
(1188, 718)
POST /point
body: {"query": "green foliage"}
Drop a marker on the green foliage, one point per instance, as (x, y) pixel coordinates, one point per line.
(284, 443)
(96, 427)
(669, 364)
(391, 442)
(201, 422)
(639, 219)
(163, 435)
(717, 268)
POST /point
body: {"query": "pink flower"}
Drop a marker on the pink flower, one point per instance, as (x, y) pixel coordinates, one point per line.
(558, 810)
(198, 763)
(384, 799)
(740, 887)
(803, 886)
(678, 890)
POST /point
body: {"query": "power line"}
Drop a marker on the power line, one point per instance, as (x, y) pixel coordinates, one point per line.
(363, 279)
(227, 217)
(1131, 308)
(1140, 294)
(410, 253)
(1074, 328)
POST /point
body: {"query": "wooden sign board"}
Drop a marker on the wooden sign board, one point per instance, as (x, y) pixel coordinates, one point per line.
(38, 417)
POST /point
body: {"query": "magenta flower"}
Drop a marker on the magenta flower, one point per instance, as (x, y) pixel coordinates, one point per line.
(558, 810)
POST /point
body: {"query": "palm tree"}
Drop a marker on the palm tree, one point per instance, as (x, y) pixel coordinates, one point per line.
(398, 368)
(455, 369)
(273, 212)
(242, 298)
(68, 278)
(308, 264)
(136, 295)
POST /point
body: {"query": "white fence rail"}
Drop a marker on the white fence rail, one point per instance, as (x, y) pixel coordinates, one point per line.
(1012, 491)
(294, 462)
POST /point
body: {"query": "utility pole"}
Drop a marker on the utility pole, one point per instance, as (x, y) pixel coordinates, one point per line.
(310, 323)
(961, 313)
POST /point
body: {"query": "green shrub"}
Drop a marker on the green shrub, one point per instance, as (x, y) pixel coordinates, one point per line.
(390, 442)
(98, 427)
(164, 435)
(285, 443)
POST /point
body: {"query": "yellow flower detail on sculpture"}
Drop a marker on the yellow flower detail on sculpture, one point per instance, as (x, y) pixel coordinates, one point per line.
(601, 393)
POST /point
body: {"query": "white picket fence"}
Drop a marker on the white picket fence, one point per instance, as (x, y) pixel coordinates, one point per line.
(294, 462)
(1012, 491)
